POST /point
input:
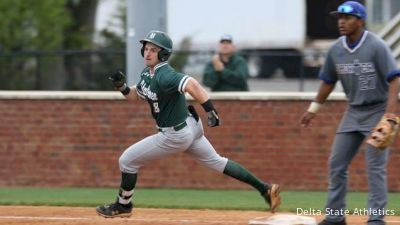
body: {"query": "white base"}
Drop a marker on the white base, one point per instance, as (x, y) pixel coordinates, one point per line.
(283, 219)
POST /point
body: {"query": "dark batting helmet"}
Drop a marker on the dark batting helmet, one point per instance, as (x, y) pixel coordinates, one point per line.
(160, 39)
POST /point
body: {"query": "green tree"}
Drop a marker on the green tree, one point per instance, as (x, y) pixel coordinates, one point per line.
(79, 33)
(30, 25)
(179, 60)
(26, 25)
(79, 36)
(111, 38)
(45, 25)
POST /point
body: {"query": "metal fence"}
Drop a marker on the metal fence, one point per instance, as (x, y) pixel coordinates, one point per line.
(88, 70)
(62, 70)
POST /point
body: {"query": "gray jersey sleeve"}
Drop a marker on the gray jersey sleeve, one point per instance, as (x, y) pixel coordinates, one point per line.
(328, 71)
(386, 62)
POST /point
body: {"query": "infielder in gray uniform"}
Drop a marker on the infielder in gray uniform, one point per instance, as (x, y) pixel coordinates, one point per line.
(367, 71)
(180, 129)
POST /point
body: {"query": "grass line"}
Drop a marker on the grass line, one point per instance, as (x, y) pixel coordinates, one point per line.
(179, 198)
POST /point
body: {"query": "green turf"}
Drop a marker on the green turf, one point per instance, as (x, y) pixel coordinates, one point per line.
(178, 198)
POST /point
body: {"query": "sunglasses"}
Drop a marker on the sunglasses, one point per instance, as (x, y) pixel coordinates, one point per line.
(345, 9)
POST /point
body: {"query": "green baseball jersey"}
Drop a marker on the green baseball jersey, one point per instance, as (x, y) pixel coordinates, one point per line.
(164, 91)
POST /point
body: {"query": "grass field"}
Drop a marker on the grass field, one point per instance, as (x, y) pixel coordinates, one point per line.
(179, 198)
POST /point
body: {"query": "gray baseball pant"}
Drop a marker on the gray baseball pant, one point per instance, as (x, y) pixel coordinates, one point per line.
(344, 149)
(190, 140)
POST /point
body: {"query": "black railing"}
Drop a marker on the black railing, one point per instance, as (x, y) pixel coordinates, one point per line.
(87, 69)
(60, 70)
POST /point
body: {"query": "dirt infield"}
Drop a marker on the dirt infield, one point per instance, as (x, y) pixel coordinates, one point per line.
(32, 215)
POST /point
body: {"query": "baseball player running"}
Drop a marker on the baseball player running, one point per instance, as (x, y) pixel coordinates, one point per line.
(367, 71)
(180, 129)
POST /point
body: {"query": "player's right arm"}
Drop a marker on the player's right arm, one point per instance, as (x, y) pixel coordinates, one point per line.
(324, 90)
(119, 81)
(133, 95)
(328, 77)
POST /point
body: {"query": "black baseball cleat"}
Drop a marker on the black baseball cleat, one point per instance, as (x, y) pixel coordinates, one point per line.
(326, 222)
(272, 197)
(115, 210)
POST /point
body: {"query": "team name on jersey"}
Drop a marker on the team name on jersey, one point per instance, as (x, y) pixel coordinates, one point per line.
(147, 92)
(355, 68)
(147, 74)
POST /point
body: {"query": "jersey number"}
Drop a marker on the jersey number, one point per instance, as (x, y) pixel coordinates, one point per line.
(367, 82)
(156, 109)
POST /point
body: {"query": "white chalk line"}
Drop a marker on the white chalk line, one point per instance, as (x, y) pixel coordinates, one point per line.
(42, 218)
(133, 219)
(130, 219)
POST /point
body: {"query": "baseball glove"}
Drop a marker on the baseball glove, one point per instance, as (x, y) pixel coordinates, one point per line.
(385, 131)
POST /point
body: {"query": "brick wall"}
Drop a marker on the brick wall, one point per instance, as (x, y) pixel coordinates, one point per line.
(77, 142)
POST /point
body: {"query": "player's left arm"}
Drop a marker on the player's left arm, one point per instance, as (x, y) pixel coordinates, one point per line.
(194, 88)
(385, 131)
(201, 96)
(393, 94)
(386, 64)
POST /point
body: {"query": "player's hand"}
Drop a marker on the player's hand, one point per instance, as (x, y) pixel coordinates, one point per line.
(213, 118)
(118, 79)
(306, 119)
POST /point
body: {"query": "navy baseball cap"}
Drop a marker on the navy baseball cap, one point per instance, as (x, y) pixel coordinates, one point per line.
(351, 8)
(226, 37)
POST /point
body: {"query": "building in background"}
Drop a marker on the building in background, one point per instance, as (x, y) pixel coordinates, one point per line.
(291, 36)
(288, 36)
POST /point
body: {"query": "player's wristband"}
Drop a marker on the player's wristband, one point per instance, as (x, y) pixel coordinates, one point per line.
(208, 106)
(124, 89)
(314, 107)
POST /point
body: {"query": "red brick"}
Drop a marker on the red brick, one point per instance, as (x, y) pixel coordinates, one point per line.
(78, 143)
